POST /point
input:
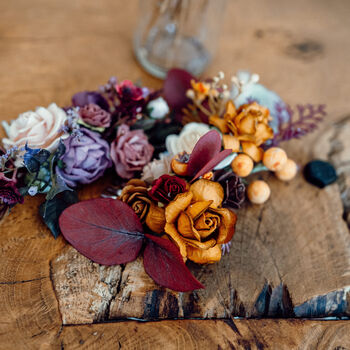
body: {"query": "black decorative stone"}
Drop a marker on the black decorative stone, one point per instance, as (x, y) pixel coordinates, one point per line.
(320, 173)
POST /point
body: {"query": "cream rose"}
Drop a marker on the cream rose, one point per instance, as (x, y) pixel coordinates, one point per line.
(157, 168)
(39, 129)
(187, 138)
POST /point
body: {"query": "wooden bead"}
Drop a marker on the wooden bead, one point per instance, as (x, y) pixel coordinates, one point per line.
(242, 165)
(288, 172)
(258, 192)
(275, 158)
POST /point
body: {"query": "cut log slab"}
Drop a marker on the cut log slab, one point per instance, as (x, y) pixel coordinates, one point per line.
(197, 334)
(289, 258)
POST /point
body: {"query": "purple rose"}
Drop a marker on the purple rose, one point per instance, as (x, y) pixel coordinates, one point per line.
(80, 99)
(130, 151)
(86, 158)
(94, 115)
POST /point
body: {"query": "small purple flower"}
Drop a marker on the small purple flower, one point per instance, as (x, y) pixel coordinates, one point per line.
(225, 248)
(86, 158)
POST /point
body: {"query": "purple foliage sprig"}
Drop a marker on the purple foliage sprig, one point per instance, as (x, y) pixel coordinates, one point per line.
(302, 120)
(72, 126)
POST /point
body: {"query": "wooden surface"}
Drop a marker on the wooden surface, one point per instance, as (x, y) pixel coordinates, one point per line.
(289, 258)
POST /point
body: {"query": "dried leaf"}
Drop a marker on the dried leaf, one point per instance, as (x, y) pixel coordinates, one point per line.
(176, 83)
(163, 262)
(51, 210)
(212, 163)
(105, 230)
(206, 148)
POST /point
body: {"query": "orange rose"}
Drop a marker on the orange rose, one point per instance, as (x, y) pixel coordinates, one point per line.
(248, 125)
(135, 194)
(197, 224)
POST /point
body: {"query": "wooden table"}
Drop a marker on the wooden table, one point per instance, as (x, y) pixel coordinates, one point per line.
(290, 258)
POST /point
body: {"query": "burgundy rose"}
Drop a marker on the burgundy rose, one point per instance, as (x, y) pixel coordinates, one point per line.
(94, 115)
(128, 91)
(9, 194)
(166, 188)
(130, 151)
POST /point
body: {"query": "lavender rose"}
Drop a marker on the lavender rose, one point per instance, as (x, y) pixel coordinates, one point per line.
(94, 115)
(130, 151)
(86, 158)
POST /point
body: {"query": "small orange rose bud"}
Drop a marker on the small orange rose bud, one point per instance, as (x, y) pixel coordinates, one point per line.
(258, 192)
(275, 158)
(178, 167)
(242, 165)
(288, 171)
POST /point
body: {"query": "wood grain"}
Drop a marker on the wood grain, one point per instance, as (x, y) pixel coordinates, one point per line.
(190, 334)
(290, 258)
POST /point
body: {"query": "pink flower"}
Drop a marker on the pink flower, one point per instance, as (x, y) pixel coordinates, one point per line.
(127, 90)
(94, 115)
(130, 151)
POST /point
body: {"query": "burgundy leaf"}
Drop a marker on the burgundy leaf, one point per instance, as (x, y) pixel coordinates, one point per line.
(163, 262)
(207, 147)
(213, 163)
(105, 230)
(177, 82)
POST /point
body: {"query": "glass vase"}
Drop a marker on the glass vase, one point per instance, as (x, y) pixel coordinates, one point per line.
(177, 33)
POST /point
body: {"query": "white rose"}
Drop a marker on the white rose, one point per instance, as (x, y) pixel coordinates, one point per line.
(39, 129)
(187, 138)
(158, 108)
(157, 168)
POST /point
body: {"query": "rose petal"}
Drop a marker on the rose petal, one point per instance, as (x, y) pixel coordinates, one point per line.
(219, 123)
(263, 133)
(247, 125)
(208, 256)
(202, 245)
(170, 229)
(227, 227)
(256, 153)
(185, 227)
(155, 219)
(207, 224)
(230, 142)
(179, 204)
(204, 190)
(197, 208)
(137, 182)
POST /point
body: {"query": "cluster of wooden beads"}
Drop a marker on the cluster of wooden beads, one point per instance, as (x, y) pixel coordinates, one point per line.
(274, 159)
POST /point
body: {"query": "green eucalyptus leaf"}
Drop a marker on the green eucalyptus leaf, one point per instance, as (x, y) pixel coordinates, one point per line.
(51, 210)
